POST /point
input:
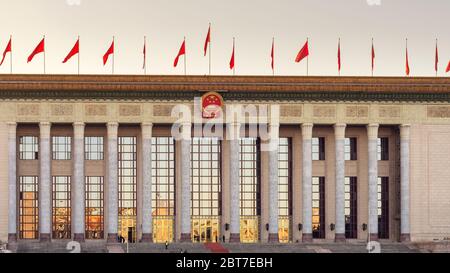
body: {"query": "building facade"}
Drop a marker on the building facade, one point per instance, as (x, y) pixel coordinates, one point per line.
(95, 158)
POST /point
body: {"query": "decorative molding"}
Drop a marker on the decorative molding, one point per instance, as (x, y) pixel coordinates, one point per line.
(162, 110)
(95, 110)
(324, 111)
(438, 111)
(61, 109)
(389, 111)
(129, 110)
(291, 110)
(357, 111)
(28, 109)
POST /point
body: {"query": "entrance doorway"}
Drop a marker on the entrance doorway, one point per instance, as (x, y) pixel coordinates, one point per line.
(205, 230)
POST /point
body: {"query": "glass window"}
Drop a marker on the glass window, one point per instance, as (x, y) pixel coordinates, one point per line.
(383, 207)
(61, 207)
(61, 147)
(318, 148)
(127, 187)
(94, 207)
(318, 207)
(284, 189)
(163, 188)
(351, 204)
(28, 147)
(350, 148)
(28, 207)
(383, 148)
(93, 148)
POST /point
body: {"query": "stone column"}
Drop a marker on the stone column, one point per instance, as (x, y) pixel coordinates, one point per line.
(12, 183)
(273, 183)
(404, 182)
(45, 197)
(339, 135)
(113, 194)
(372, 134)
(307, 182)
(186, 183)
(78, 202)
(235, 221)
(146, 128)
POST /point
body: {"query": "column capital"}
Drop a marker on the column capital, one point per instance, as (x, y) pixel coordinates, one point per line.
(112, 128)
(78, 129)
(372, 130)
(44, 127)
(146, 130)
(339, 130)
(405, 131)
(307, 130)
(12, 128)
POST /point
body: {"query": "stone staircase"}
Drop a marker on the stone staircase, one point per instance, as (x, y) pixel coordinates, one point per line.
(59, 247)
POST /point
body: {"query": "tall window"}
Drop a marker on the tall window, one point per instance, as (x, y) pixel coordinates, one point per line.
(351, 204)
(284, 189)
(318, 148)
(206, 188)
(318, 207)
(93, 148)
(163, 188)
(28, 207)
(383, 148)
(28, 147)
(250, 186)
(61, 147)
(350, 148)
(127, 187)
(61, 207)
(383, 207)
(94, 207)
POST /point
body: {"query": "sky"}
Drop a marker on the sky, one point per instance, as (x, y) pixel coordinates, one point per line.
(253, 23)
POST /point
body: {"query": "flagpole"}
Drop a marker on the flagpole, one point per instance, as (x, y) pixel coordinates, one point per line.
(436, 58)
(307, 59)
(339, 48)
(184, 41)
(145, 53)
(44, 54)
(209, 52)
(113, 58)
(10, 59)
(78, 54)
(371, 54)
(273, 57)
(407, 61)
(234, 58)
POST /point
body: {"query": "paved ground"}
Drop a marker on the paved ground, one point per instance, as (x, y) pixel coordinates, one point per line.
(323, 247)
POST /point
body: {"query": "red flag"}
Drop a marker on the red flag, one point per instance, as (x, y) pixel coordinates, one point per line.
(436, 58)
(272, 56)
(302, 53)
(407, 63)
(108, 52)
(373, 56)
(143, 51)
(448, 67)
(339, 55)
(207, 41)
(73, 51)
(39, 48)
(182, 51)
(7, 49)
(232, 58)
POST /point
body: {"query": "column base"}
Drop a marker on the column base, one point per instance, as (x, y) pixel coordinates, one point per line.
(112, 238)
(373, 237)
(79, 237)
(235, 238)
(12, 237)
(147, 238)
(273, 238)
(339, 238)
(44, 237)
(185, 238)
(405, 237)
(307, 238)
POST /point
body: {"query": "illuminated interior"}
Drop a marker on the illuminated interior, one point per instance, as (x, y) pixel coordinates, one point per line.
(61, 207)
(94, 207)
(28, 207)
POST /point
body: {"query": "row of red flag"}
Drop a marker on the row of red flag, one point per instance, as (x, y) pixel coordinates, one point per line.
(303, 53)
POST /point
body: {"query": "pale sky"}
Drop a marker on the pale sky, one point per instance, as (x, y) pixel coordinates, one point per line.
(252, 22)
